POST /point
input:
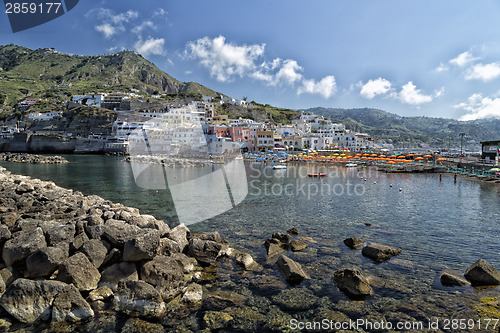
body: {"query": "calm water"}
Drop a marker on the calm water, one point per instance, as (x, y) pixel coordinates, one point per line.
(438, 224)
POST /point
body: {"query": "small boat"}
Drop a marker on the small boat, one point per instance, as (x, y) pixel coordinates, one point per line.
(351, 165)
(279, 166)
(316, 174)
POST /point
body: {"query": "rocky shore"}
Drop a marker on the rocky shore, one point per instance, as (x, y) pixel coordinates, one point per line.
(31, 158)
(82, 263)
(168, 161)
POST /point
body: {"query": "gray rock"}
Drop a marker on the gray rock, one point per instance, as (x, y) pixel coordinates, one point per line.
(7, 275)
(95, 219)
(482, 273)
(95, 231)
(79, 271)
(293, 231)
(138, 298)
(193, 293)
(205, 251)
(168, 247)
(164, 273)
(380, 252)
(352, 282)
(353, 242)
(45, 261)
(124, 271)
(114, 256)
(61, 234)
(245, 260)
(4, 234)
(119, 232)
(283, 238)
(100, 294)
(142, 247)
(212, 236)
(448, 278)
(180, 235)
(187, 263)
(274, 248)
(298, 245)
(9, 219)
(291, 270)
(30, 301)
(21, 245)
(95, 251)
(69, 306)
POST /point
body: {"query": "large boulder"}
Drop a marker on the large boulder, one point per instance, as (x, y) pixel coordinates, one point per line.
(79, 271)
(193, 293)
(138, 298)
(30, 301)
(69, 306)
(379, 252)
(95, 250)
(45, 261)
(282, 237)
(274, 248)
(353, 242)
(23, 244)
(482, 273)
(61, 234)
(78, 241)
(124, 271)
(142, 247)
(187, 263)
(168, 247)
(212, 236)
(118, 232)
(352, 282)
(180, 234)
(205, 251)
(291, 270)
(164, 273)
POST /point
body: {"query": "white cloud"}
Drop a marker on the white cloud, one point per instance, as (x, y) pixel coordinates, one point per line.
(409, 94)
(150, 46)
(439, 93)
(225, 60)
(107, 29)
(376, 87)
(289, 72)
(326, 87)
(441, 68)
(146, 24)
(480, 108)
(483, 72)
(463, 59)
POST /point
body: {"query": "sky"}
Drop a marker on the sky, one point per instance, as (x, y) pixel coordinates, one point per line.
(412, 57)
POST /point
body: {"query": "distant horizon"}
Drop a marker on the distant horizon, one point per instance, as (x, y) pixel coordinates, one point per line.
(299, 56)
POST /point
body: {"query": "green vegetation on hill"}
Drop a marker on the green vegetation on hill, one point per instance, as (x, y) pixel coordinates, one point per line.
(48, 74)
(389, 127)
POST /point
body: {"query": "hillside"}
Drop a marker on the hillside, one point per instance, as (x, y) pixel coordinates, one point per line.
(50, 74)
(392, 128)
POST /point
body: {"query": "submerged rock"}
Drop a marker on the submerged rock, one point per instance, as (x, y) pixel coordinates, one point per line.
(193, 293)
(482, 273)
(353, 242)
(293, 231)
(352, 282)
(291, 270)
(245, 260)
(214, 320)
(298, 245)
(379, 252)
(30, 301)
(449, 279)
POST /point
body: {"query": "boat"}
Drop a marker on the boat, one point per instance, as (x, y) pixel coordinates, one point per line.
(316, 174)
(279, 166)
(351, 165)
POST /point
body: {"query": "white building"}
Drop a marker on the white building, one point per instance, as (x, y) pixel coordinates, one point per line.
(44, 116)
(92, 100)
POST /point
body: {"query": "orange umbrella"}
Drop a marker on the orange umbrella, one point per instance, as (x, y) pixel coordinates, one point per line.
(393, 156)
(391, 162)
(382, 156)
(428, 156)
(373, 155)
(418, 158)
(401, 156)
(441, 159)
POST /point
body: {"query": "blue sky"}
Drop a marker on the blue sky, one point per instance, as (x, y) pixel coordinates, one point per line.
(438, 58)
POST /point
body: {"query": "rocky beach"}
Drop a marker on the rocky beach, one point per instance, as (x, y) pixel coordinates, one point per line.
(72, 262)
